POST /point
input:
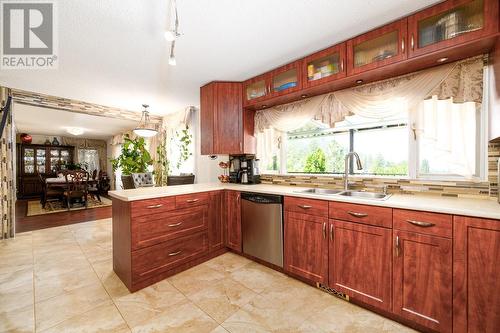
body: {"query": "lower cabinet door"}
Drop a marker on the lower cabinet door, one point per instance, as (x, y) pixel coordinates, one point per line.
(215, 218)
(423, 279)
(360, 262)
(233, 220)
(476, 275)
(306, 246)
(162, 257)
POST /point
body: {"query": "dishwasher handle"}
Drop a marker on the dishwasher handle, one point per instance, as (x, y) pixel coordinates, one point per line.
(262, 198)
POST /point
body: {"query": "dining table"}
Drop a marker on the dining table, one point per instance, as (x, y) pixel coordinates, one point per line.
(61, 182)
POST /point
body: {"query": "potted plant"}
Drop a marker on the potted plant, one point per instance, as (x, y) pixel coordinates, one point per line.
(134, 158)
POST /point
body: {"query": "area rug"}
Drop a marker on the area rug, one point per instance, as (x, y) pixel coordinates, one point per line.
(35, 207)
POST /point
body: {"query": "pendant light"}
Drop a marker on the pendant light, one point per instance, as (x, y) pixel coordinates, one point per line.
(171, 35)
(145, 128)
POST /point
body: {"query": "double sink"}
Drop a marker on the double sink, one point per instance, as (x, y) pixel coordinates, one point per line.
(353, 194)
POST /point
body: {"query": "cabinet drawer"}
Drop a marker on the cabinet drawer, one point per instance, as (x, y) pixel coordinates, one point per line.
(379, 216)
(152, 206)
(147, 230)
(306, 206)
(162, 257)
(423, 222)
(191, 200)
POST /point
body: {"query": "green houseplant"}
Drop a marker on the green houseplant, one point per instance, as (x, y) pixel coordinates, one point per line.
(134, 158)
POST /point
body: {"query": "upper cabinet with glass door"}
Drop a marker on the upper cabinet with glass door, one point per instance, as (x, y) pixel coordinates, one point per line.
(256, 89)
(324, 66)
(379, 47)
(286, 79)
(451, 23)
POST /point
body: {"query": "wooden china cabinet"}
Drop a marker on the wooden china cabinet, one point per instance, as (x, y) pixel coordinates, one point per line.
(44, 159)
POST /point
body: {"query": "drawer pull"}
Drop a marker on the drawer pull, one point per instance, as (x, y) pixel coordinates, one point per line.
(420, 223)
(357, 214)
(155, 206)
(174, 253)
(175, 224)
(192, 200)
(304, 206)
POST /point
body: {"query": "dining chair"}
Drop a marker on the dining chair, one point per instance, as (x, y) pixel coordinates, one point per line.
(76, 187)
(94, 186)
(143, 179)
(48, 193)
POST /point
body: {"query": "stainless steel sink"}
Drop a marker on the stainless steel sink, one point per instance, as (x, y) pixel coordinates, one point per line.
(365, 195)
(320, 191)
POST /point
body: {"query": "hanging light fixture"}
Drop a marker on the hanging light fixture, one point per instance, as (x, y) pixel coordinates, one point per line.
(145, 128)
(171, 35)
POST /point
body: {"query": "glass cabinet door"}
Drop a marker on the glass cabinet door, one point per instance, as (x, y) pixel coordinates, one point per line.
(256, 90)
(326, 65)
(40, 160)
(29, 160)
(285, 80)
(54, 160)
(377, 48)
(451, 23)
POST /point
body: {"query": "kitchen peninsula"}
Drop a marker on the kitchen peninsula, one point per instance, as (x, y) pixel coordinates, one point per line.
(413, 249)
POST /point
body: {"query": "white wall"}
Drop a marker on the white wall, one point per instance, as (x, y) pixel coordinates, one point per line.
(206, 169)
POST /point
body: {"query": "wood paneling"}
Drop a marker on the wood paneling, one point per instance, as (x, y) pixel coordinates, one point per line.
(360, 262)
(490, 26)
(233, 220)
(306, 206)
(422, 287)
(306, 246)
(153, 229)
(215, 221)
(377, 216)
(191, 200)
(476, 272)
(423, 222)
(399, 26)
(151, 206)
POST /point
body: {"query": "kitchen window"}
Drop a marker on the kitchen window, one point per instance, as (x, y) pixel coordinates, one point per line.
(441, 140)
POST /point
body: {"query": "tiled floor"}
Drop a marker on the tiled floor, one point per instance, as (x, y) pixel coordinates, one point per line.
(61, 280)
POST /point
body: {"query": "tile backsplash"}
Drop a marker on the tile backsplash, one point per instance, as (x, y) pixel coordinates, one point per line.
(444, 188)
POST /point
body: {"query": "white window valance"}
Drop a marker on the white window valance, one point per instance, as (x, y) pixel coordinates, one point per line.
(460, 81)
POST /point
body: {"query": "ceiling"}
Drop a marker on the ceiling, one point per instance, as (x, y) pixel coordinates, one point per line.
(113, 52)
(44, 121)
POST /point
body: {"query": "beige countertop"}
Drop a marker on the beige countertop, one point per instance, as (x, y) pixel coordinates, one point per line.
(486, 208)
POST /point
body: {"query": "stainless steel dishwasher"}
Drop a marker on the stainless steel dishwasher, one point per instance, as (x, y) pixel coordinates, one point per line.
(262, 226)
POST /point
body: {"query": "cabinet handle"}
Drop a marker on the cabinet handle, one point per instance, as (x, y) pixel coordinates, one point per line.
(412, 43)
(174, 253)
(342, 65)
(175, 224)
(155, 206)
(241, 147)
(403, 44)
(331, 231)
(421, 224)
(192, 200)
(396, 246)
(357, 214)
(304, 206)
(324, 230)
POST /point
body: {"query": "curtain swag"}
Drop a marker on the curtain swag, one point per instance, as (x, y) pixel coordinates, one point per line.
(460, 81)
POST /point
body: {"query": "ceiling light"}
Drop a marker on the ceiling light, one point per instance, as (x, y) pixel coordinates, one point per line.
(171, 58)
(75, 130)
(145, 128)
(359, 81)
(442, 59)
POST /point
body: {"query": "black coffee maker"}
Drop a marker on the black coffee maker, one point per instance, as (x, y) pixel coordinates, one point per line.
(244, 170)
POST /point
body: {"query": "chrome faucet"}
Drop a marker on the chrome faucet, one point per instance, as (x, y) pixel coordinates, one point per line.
(346, 170)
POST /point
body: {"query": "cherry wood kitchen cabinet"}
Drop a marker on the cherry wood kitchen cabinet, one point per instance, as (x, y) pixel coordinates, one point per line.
(476, 272)
(225, 127)
(215, 220)
(377, 48)
(422, 282)
(233, 220)
(451, 23)
(324, 66)
(256, 89)
(360, 262)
